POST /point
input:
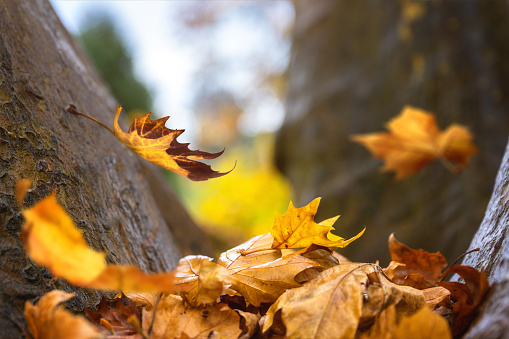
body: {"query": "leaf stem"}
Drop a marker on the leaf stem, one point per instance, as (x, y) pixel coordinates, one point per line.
(445, 270)
(154, 313)
(72, 109)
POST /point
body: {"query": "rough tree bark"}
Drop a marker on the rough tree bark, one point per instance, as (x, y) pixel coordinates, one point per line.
(492, 238)
(118, 200)
(355, 64)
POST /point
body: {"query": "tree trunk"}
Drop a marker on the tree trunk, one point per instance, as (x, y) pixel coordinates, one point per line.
(492, 238)
(119, 201)
(354, 66)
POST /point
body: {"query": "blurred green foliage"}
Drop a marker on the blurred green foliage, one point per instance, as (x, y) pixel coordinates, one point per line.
(114, 63)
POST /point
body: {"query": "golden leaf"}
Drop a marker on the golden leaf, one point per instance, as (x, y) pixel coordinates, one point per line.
(52, 240)
(415, 140)
(47, 320)
(297, 229)
(174, 319)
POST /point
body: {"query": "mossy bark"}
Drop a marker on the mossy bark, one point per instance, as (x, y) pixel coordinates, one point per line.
(120, 202)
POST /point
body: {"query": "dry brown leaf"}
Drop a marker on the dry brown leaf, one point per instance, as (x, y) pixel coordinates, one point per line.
(264, 282)
(420, 269)
(297, 229)
(174, 319)
(52, 240)
(467, 297)
(415, 140)
(333, 303)
(203, 280)
(48, 320)
(436, 297)
(151, 140)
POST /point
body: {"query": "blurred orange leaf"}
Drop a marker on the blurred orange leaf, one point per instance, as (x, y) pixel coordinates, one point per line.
(52, 240)
(423, 324)
(297, 229)
(48, 320)
(414, 140)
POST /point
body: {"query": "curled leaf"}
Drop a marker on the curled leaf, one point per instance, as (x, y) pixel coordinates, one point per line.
(415, 140)
(467, 296)
(297, 229)
(417, 268)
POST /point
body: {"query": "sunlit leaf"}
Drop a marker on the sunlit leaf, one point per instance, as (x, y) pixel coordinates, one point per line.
(297, 229)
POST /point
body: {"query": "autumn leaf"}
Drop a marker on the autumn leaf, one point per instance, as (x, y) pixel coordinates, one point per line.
(151, 140)
(52, 240)
(414, 140)
(334, 301)
(48, 320)
(263, 274)
(297, 229)
(174, 319)
(203, 280)
(417, 268)
(467, 296)
(114, 316)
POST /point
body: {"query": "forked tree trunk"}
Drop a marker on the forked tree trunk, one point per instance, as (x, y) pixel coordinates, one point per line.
(118, 200)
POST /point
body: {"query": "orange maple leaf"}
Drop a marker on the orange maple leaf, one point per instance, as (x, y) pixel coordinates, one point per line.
(415, 140)
(151, 140)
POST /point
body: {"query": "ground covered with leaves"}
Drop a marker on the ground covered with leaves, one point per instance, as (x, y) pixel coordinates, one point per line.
(286, 283)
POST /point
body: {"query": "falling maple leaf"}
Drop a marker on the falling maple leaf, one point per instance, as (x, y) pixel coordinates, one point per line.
(52, 240)
(415, 140)
(297, 229)
(151, 140)
(49, 320)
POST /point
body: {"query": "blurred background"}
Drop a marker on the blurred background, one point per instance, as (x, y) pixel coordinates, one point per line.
(282, 85)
